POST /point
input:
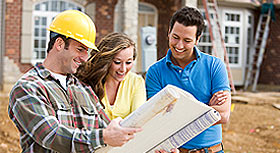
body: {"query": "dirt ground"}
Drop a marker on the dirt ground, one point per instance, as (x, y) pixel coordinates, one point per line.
(254, 125)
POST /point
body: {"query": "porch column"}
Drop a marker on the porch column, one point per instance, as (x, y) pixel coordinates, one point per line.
(126, 19)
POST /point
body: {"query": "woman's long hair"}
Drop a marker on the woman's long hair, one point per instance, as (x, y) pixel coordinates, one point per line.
(95, 70)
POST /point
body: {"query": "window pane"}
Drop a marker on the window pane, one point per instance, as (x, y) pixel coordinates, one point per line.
(226, 39)
(54, 6)
(43, 32)
(145, 8)
(227, 17)
(226, 30)
(236, 50)
(238, 17)
(235, 59)
(62, 6)
(44, 21)
(237, 30)
(71, 6)
(36, 32)
(249, 36)
(37, 7)
(232, 17)
(36, 54)
(43, 43)
(43, 54)
(249, 19)
(45, 6)
(210, 49)
(230, 59)
(231, 30)
(37, 20)
(203, 38)
(209, 38)
(36, 43)
(237, 40)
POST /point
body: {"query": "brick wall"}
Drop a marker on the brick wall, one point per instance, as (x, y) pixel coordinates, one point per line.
(104, 17)
(165, 8)
(104, 20)
(270, 69)
(13, 33)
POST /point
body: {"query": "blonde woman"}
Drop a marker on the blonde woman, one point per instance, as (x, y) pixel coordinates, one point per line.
(108, 72)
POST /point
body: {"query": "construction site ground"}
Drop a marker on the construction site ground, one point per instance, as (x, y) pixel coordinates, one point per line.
(254, 125)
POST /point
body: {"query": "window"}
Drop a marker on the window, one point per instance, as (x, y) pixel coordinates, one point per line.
(232, 17)
(232, 30)
(205, 44)
(43, 14)
(233, 36)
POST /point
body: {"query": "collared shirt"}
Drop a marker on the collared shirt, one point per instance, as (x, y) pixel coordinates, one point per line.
(131, 94)
(202, 77)
(52, 119)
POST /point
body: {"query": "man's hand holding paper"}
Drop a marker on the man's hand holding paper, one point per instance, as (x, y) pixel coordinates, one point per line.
(115, 135)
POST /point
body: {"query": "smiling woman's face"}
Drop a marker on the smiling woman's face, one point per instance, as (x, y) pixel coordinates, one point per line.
(121, 64)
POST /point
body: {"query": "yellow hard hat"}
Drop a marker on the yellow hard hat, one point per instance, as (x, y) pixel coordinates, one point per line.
(76, 25)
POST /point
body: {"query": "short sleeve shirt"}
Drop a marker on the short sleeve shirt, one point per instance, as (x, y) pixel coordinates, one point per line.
(202, 78)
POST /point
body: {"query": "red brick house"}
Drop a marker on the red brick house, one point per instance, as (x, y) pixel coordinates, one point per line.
(24, 37)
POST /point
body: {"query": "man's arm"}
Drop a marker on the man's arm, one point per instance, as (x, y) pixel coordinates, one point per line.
(220, 82)
(218, 98)
(222, 103)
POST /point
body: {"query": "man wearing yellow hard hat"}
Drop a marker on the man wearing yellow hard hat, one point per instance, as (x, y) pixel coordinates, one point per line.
(51, 108)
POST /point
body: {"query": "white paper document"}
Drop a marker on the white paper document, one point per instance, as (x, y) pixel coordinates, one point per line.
(169, 119)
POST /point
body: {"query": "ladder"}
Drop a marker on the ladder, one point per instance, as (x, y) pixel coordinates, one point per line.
(218, 44)
(257, 51)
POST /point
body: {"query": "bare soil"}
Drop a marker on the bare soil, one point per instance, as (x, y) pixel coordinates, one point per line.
(254, 125)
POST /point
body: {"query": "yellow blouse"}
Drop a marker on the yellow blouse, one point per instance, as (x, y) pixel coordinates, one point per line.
(130, 95)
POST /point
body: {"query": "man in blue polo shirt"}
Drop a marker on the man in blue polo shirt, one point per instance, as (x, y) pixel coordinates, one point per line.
(202, 75)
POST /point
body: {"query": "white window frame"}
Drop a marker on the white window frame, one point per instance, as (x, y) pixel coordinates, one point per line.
(49, 15)
(222, 14)
(249, 45)
(241, 31)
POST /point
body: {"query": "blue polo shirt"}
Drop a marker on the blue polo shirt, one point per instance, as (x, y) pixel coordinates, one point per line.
(203, 77)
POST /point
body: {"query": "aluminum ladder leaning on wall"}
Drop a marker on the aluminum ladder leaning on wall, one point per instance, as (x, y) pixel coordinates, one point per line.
(258, 50)
(218, 43)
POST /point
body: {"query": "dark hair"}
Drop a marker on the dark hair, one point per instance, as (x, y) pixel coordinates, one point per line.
(188, 16)
(95, 70)
(53, 37)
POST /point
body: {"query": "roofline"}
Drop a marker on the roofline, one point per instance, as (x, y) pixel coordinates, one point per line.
(229, 3)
